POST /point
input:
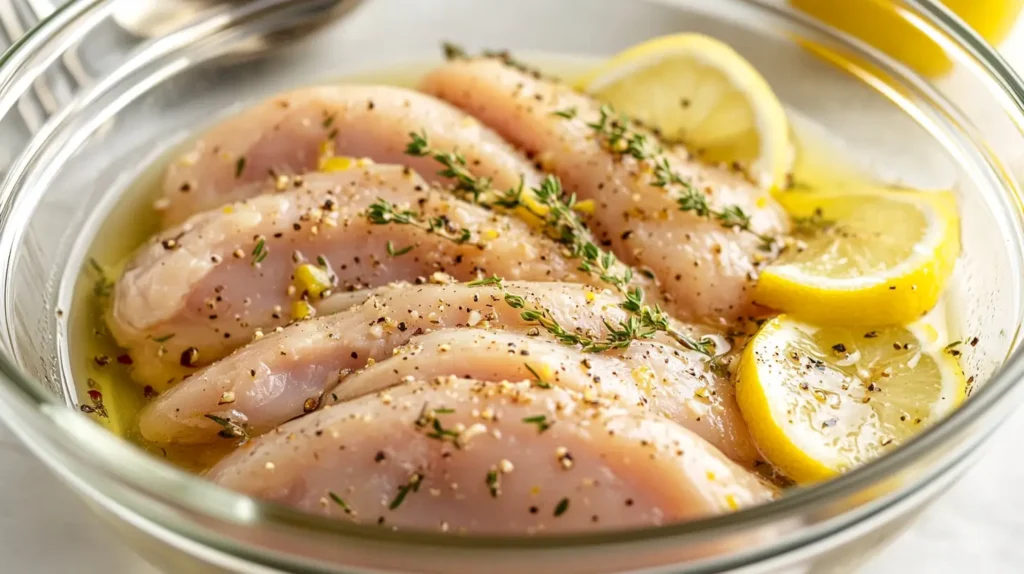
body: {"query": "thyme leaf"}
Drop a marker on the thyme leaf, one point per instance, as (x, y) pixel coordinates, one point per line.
(339, 501)
(562, 506)
(492, 280)
(557, 211)
(615, 134)
(260, 251)
(412, 486)
(493, 482)
(568, 113)
(383, 212)
(541, 421)
(231, 429)
(398, 252)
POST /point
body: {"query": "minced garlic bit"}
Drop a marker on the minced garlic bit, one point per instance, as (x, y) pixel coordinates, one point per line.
(313, 279)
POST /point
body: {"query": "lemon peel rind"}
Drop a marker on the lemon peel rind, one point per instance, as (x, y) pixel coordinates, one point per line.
(905, 294)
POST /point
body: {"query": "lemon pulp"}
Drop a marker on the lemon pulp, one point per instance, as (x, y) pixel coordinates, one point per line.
(699, 91)
(821, 400)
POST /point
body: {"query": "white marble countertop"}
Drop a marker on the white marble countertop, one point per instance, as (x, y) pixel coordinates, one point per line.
(975, 527)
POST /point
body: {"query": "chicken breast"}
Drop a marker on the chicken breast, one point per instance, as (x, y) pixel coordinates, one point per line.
(655, 377)
(287, 134)
(285, 374)
(197, 292)
(708, 269)
(463, 456)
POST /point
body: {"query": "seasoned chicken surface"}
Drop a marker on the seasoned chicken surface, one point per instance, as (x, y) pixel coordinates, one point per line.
(655, 377)
(491, 306)
(287, 135)
(465, 456)
(198, 291)
(285, 374)
(708, 269)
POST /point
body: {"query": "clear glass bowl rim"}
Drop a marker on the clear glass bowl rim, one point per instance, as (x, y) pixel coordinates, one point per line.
(32, 401)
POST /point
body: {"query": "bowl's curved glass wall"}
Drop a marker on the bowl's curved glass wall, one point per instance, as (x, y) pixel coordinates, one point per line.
(960, 131)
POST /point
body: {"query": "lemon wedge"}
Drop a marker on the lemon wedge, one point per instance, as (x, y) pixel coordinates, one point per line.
(699, 91)
(822, 400)
(864, 257)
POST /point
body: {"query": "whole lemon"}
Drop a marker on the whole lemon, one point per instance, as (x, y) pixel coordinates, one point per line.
(881, 24)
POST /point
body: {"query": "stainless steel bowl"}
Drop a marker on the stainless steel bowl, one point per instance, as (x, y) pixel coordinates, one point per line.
(963, 130)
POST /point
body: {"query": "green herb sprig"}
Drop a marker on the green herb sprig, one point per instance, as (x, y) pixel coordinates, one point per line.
(412, 486)
(454, 164)
(383, 212)
(260, 251)
(614, 133)
(340, 502)
(561, 222)
(541, 421)
(231, 429)
(103, 286)
(493, 482)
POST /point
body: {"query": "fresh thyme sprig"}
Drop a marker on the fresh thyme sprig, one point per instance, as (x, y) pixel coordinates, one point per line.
(428, 418)
(231, 429)
(541, 421)
(455, 167)
(103, 286)
(259, 252)
(383, 212)
(560, 222)
(565, 226)
(412, 486)
(456, 52)
(558, 214)
(340, 502)
(642, 323)
(639, 325)
(615, 135)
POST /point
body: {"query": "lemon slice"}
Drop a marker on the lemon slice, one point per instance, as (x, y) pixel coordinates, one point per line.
(866, 257)
(698, 90)
(821, 400)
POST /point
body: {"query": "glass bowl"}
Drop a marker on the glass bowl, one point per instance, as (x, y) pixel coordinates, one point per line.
(67, 164)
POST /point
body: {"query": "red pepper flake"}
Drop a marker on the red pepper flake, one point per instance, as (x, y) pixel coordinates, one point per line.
(124, 359)
(97, 407)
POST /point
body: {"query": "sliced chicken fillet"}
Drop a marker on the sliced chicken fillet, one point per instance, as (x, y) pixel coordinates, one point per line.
(655, 377)
(285, 374)
(287, 133)
(197, 292)
(708, 269)
(463, 456)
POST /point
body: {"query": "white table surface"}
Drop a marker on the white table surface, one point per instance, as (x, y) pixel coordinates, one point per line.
(975, 527)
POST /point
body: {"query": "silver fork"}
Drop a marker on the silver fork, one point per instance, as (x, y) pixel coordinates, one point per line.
(141, 18)
(16, 17)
